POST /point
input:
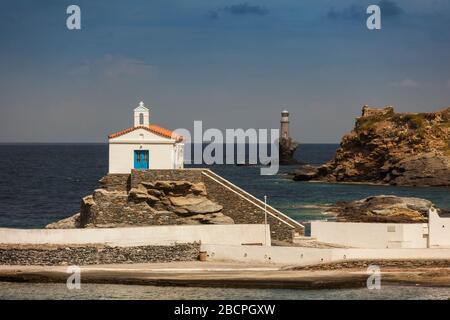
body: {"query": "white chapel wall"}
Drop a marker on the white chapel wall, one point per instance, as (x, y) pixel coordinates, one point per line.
(121, 156)
(141, 134)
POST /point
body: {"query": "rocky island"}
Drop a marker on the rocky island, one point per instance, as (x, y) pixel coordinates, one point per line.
(386, 147)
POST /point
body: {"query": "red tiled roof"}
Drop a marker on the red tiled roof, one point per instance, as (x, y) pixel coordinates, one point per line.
(152, 128)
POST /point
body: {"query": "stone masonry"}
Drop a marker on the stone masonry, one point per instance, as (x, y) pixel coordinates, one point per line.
(243, 211)
(171, 197)
(96, 254)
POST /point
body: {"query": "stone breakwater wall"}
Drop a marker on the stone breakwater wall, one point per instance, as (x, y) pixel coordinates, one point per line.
(92, 255)
(116, 182)
(235, 206)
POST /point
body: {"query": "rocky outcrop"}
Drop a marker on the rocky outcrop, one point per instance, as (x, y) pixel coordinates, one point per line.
(384, 208)
(391, 148)
(287, 146)
(148, 203)
(305, 173)
(67, 223)
(429, 169)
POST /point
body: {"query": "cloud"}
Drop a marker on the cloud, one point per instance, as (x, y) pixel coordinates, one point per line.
(388, 9)
(246, 9)
(113, 67)
(352, 12)
(213, 14)
(241, 9)
(405, 83)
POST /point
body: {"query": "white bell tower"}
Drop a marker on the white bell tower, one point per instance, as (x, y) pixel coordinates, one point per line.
(141, 116)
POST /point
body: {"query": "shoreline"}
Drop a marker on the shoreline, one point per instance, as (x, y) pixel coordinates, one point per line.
(237, 275)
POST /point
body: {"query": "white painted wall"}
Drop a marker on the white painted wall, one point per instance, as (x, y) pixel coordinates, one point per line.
(121, 156)
(235, 234)
(371, 235)
(310, 256)
(179, 156)
(439, 230)
(145, 114)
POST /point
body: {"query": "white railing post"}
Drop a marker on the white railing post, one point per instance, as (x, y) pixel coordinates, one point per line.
(265, 220)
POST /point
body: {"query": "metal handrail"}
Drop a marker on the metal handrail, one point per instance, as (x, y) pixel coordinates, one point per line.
(242, 192)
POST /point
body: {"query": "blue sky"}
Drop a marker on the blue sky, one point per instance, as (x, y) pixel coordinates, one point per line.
(232, 64)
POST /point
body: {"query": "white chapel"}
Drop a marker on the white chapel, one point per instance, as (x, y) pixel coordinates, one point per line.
(144, 146)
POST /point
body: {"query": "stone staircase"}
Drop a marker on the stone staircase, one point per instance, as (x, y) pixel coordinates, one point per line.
(298, 228)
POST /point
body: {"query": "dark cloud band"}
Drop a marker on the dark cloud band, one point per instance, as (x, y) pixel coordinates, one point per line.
(241, 9)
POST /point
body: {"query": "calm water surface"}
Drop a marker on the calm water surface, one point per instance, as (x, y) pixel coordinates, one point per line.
(97, 291)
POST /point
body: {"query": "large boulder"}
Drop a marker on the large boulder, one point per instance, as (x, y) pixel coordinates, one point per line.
(142, 194)
(305, 173)
(191, 205)
(186, 201)
(204, 207)
(67, 223)
(383, 208)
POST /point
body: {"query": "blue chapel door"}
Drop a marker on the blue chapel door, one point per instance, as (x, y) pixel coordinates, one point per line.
(141, 159)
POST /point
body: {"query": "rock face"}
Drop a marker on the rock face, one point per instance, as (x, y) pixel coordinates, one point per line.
(68, 223)
(287, 149)
(382, 208)
(391, 148)
(148, 203)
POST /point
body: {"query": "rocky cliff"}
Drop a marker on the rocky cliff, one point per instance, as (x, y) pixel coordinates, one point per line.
(392, 148)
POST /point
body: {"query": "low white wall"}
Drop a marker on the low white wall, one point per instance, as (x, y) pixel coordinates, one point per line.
(371, 235)
(259, 254)
(310, 256)
(235, 234)
(439, 230)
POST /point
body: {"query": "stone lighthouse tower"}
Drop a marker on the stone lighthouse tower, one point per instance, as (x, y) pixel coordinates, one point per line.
(287, 144)
(284, 125)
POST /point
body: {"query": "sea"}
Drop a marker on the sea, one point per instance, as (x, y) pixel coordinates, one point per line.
(42, 183)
